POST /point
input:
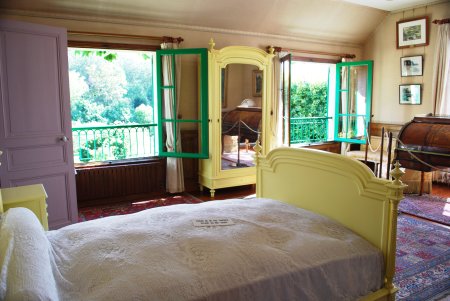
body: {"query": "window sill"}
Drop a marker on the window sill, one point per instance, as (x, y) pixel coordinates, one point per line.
(117, 162)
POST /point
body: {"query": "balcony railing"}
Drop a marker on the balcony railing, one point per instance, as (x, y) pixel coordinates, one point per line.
(309, 129)
(113, 142)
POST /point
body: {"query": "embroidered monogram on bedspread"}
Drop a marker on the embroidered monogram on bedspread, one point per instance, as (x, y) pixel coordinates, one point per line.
(158, 254)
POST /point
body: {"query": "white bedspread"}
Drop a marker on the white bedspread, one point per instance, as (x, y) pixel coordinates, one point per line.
(272, 252)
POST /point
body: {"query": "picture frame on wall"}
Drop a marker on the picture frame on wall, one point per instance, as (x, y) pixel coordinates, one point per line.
(257, 83)
(411, 65)
(410, 94)
(412, 32)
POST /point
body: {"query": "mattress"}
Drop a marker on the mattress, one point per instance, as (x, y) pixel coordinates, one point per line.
(251, 249)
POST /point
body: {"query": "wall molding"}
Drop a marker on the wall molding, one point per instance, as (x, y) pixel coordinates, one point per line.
(416, 7)
(307, 38)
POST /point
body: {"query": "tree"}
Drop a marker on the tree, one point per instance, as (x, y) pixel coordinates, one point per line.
(309, 100)
(143, 114)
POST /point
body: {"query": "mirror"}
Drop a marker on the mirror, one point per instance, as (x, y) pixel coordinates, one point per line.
(241, 112)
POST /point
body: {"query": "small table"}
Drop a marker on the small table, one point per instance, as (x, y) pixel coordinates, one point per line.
(32, 197)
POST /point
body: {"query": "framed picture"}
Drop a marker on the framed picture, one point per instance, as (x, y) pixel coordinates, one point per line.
(411, 65)
(257, 83)
(410, 94)
(412, 32)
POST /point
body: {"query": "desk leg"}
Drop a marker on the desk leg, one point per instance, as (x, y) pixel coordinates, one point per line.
(422, 180)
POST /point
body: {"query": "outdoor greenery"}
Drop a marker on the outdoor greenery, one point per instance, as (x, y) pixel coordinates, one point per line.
(109, 88)
(308, 100)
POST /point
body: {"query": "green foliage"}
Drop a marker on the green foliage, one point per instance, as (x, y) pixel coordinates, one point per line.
(309, 100)
(106, 55)
(95, 143)
(107, 87)
(143, 114)
(119, 149)
(84, 155)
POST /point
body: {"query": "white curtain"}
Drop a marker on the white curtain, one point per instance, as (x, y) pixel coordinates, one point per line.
(441, 85)
(174, 169)
(441, 77)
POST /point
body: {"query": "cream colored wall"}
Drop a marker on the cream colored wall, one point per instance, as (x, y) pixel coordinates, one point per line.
(381, 48)
(198, 38)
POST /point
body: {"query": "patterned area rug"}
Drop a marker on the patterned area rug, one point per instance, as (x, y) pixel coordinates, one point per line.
(423, 260)
(89, 213)
(427, 206)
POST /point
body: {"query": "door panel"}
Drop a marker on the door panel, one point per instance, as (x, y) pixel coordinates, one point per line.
(35, 127)
(35, 157)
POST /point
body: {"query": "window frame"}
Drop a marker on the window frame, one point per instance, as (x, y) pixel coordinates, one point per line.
(369, 83)
(291, 58)
(203, 95)
(71, 43)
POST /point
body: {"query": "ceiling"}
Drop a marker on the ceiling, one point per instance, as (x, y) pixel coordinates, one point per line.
(344, 21)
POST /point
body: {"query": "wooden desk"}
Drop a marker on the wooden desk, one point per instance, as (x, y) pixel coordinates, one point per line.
(32, 197)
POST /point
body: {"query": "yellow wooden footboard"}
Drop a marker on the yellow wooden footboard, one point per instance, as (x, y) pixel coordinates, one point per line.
(341, 188)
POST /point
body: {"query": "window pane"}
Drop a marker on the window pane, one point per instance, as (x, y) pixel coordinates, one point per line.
(112, 104)
(351, 127)
(354, 97)
(182, 89)
(309, 115)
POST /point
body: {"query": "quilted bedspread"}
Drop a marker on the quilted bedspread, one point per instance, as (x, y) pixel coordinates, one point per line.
(268, 251)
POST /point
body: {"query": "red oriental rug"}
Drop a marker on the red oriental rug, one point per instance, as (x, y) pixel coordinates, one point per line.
(90, 213)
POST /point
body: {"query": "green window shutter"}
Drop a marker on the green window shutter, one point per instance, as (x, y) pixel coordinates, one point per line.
(353, 101)
(168, 101)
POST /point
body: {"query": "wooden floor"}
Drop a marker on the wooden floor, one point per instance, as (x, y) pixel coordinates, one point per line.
(225, 193)
(438, 189)
(442, 190)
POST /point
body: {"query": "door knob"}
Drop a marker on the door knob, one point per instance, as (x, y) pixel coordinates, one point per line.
(64, 139)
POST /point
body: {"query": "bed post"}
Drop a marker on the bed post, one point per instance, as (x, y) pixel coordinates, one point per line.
(395, 195)
(257, 148)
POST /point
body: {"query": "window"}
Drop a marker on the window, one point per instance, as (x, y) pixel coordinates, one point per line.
(117, 112)
(324, 100)
(112, 104)
(171, 96)
(353, 101)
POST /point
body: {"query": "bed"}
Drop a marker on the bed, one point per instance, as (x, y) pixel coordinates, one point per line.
(322, 227)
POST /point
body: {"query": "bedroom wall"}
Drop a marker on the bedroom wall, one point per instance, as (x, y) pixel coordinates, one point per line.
(381, 47)
(193, 37)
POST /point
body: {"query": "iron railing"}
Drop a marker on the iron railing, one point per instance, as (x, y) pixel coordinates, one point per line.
(113, 142)
(309, 129)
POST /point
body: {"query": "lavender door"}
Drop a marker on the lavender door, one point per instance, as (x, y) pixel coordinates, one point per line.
(35, 126)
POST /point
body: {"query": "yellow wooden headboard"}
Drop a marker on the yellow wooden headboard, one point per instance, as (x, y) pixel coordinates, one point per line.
(336, 186)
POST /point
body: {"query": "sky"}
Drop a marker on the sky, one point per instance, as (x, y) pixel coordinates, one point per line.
(309, 72)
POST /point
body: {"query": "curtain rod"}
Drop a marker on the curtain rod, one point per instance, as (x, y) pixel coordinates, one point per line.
(164, 39)
(342, 55)
(443, 21)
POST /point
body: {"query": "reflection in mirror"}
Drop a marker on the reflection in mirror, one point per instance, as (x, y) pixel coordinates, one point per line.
(241, 95)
